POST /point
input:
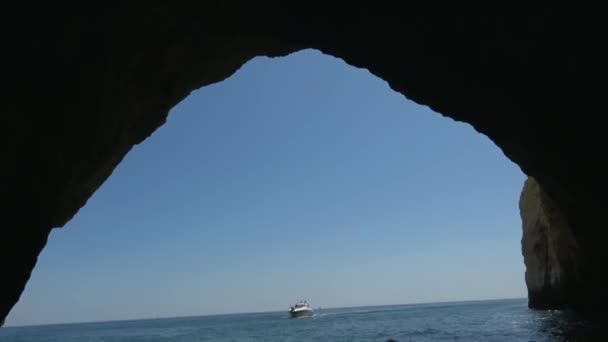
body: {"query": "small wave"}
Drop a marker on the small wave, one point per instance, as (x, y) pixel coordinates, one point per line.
(423, 332)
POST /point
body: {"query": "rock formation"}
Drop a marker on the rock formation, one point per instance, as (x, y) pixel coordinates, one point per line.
(83, 85)
(550, 250)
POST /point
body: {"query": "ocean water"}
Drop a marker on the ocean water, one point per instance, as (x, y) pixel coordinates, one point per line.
(498, 320)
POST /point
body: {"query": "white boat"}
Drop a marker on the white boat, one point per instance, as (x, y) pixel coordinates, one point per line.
(300, 309)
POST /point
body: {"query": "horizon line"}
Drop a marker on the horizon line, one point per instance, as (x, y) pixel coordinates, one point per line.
(250, 312)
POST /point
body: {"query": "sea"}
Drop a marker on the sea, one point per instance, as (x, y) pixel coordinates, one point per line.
(493, 320)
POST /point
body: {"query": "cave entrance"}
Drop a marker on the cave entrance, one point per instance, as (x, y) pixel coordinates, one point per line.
(299, 165)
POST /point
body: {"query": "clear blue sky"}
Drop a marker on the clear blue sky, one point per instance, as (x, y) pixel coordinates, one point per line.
(296, 178)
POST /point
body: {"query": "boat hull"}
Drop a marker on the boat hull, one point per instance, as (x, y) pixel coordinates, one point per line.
(301, 313)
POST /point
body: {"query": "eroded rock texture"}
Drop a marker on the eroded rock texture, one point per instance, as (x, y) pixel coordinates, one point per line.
(551, 252)
(82, 85)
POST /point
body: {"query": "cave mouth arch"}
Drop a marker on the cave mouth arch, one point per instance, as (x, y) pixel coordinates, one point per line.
(526, 79)
(324, 128)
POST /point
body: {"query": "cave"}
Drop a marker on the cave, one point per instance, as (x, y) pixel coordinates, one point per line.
(85, 86)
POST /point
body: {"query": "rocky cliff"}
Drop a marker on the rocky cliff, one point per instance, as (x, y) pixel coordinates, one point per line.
(550, 250)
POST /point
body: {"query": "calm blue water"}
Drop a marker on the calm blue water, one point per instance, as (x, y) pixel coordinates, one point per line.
(500, 320)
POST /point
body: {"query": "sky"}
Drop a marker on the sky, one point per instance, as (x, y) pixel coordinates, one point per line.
(298, 177)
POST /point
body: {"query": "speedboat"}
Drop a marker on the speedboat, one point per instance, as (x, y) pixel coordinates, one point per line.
(300, 309)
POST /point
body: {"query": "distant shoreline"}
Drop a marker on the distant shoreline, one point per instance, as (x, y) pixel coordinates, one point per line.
(463, 301)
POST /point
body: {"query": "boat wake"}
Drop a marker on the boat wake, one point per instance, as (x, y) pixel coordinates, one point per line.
(347, 312)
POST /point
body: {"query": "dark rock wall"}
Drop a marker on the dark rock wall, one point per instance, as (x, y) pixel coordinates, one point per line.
(550, 250)
(84, 84)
